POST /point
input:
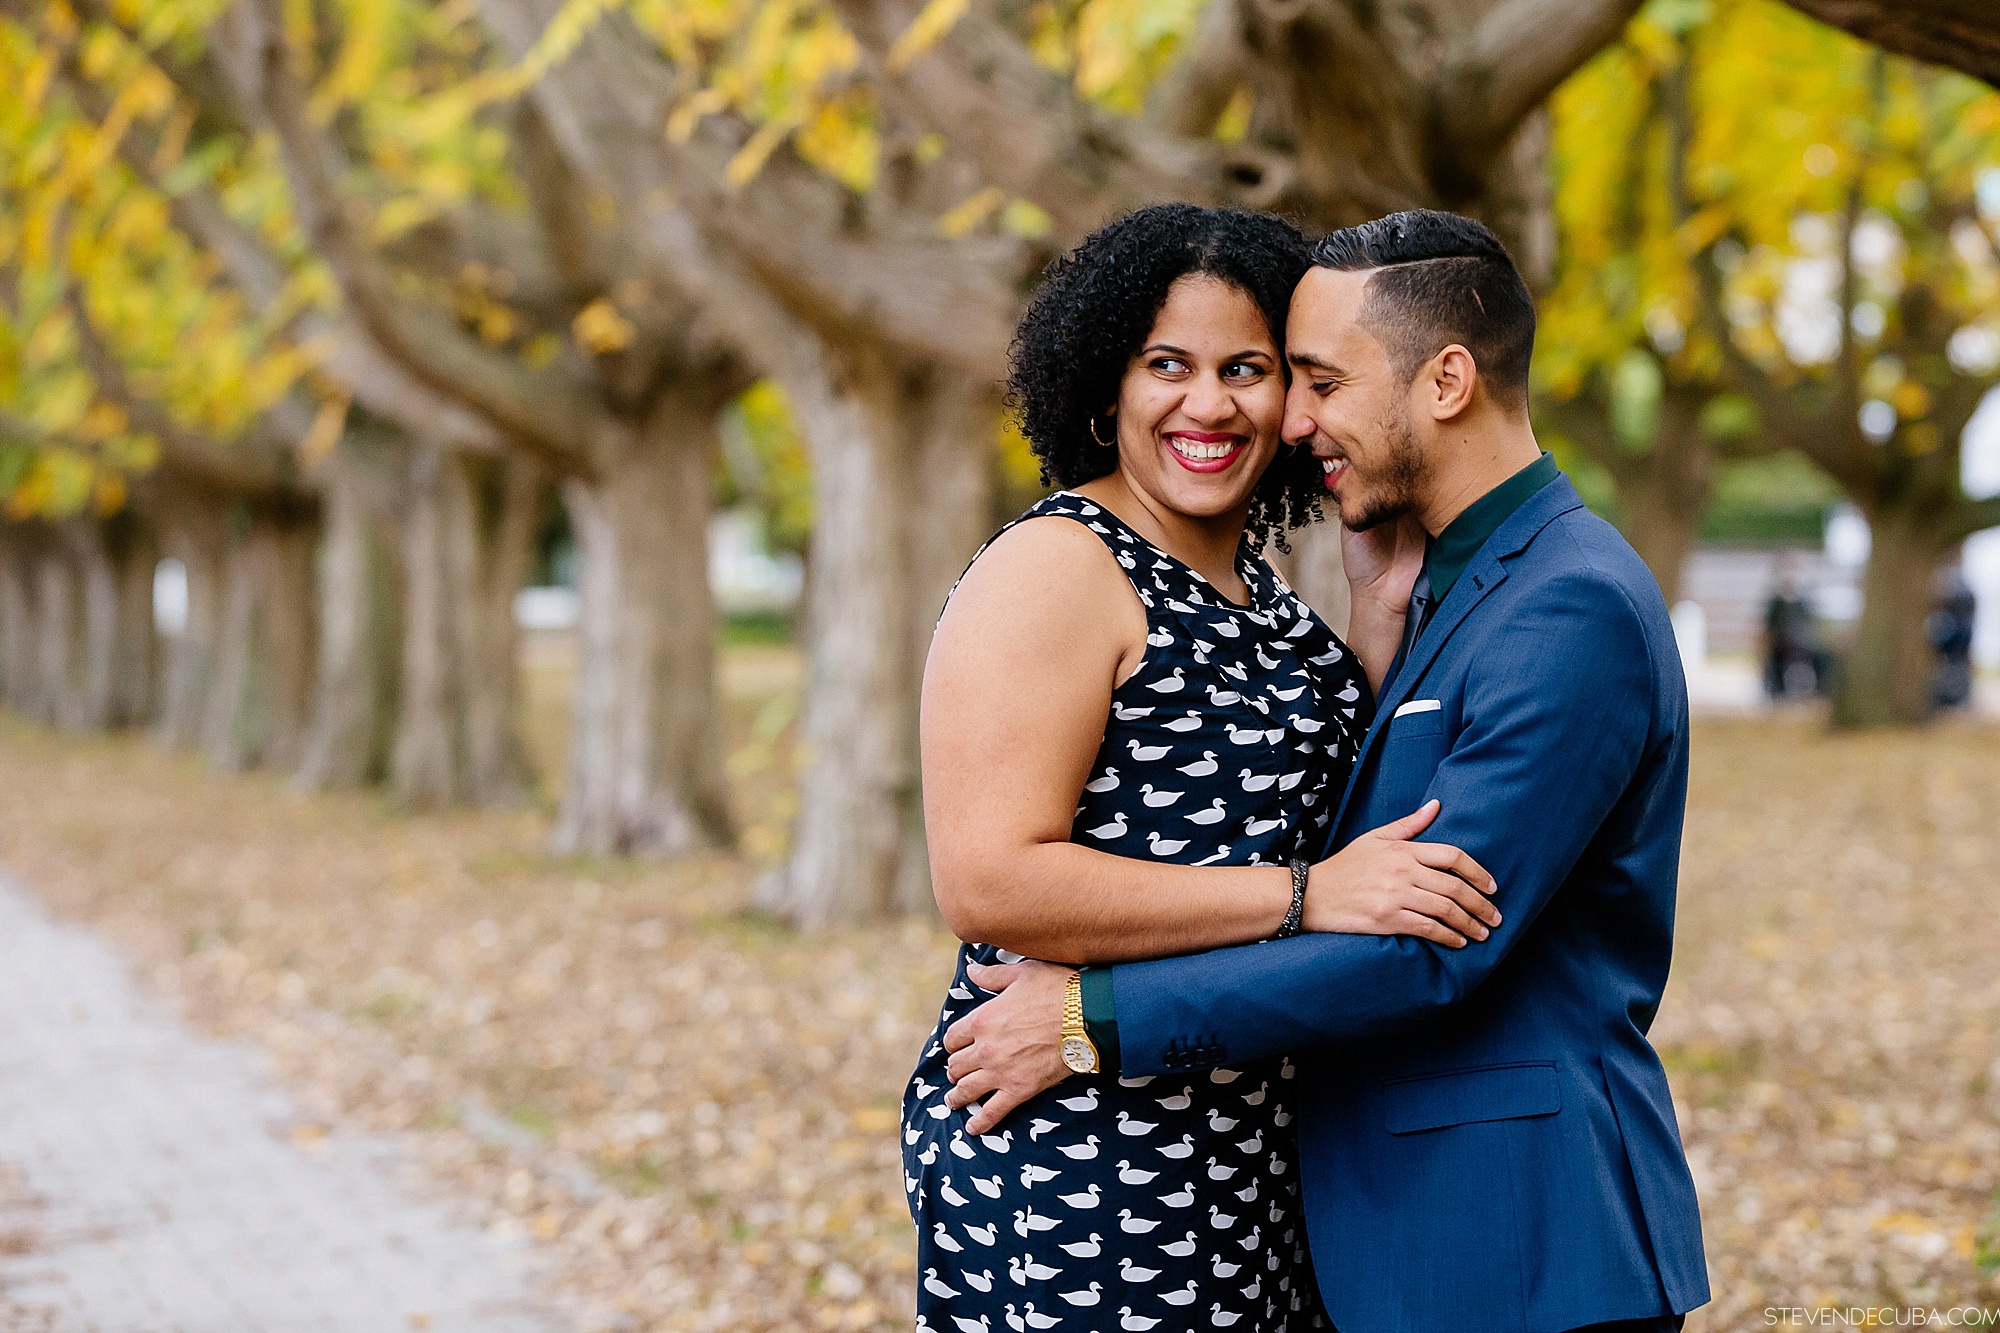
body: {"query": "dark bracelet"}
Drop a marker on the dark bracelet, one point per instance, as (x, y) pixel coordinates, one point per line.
(1296, 916)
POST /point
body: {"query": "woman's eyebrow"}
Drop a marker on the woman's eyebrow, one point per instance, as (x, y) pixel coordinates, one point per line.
(1162, 347)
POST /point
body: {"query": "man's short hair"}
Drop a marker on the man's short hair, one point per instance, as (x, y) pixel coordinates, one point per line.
(1441, 279)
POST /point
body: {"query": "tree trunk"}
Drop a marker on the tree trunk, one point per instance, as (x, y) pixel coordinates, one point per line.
(86, 697)
(1886, 677)
(55, 635)
(19, 652)
(226, 721)
(504, 517)
(951, 516)
(1315, 571)
(1661, 493)
(645, 763)
(468, 538)
(881, 559)
(425, 764)
(354, 689)
(196, 538)
(135, 559)
(286, 635)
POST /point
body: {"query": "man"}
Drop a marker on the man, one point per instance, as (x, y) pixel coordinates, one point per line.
(1488, 1143)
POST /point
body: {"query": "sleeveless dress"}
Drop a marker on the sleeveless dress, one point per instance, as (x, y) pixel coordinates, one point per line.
(1153, 1203)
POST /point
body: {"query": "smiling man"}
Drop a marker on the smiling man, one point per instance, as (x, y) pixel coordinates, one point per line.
(1487, 1138)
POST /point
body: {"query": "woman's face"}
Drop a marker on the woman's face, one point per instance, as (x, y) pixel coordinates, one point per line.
(1201, 405)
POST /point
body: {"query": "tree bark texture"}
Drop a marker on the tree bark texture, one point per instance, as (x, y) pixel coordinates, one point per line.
(1885, 679)
(20, 677)
(508, 500)
(1662, 492)
(425, 767)
(1315, 571)
(883, 554)
(56, 632)
(645, 764)
(258, 695)
(85, 700)
(468, 534)
(354, 690)
(134, 551)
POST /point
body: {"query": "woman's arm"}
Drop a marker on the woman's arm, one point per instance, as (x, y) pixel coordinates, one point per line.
(1039, 633)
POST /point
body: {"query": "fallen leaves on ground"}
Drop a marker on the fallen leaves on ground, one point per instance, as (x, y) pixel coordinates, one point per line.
(692, 1112)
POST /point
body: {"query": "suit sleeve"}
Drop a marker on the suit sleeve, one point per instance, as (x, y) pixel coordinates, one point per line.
(1556, 721)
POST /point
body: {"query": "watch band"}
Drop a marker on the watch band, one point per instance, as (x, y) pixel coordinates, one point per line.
(1072, 1024)
(1296, 915)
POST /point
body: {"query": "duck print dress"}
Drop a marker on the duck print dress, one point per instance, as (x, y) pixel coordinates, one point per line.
(1153, 1203)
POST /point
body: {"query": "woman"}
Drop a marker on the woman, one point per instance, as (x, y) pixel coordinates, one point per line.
(1131, 729)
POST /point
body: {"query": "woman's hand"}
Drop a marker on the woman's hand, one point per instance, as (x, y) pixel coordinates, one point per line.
(1384, 883)
(1382, 564)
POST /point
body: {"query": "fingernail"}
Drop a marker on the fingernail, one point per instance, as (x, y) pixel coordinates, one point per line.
(1484, 932)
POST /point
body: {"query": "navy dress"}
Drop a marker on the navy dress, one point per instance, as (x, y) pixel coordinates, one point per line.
(1153, 1203)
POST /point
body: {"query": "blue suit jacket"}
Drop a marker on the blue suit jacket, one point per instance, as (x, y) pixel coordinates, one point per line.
(1488, 1142)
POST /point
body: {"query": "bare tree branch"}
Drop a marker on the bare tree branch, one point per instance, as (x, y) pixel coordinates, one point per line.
(1513, 58)
(1959, 34)
(537, 410)
(840, 262)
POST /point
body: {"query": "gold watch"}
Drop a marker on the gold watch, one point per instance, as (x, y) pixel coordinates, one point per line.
(1078, 1052)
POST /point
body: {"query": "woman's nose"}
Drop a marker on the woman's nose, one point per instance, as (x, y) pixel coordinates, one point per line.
(1209, 400)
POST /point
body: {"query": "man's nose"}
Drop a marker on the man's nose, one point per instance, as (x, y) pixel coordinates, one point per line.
(1299, 427)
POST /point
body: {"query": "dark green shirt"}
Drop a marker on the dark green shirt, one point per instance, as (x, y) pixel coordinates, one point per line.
(1445, 558)
(1452, 550)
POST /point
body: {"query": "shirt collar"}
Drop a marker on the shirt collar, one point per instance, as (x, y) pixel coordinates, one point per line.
(1448, 553)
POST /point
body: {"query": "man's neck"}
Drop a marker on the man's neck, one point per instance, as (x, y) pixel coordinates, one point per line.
(1476, 462)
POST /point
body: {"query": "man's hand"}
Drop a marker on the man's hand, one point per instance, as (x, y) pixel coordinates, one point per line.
(1009, 1048)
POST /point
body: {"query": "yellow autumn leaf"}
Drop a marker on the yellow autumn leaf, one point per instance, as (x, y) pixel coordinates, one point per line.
(932, 22)
(600, 328)
(964, 218)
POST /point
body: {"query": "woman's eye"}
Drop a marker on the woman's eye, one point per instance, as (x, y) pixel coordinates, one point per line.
(1170, 365)
(1243, 370)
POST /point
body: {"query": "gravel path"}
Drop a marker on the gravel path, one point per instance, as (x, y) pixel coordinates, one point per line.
(153, 1181)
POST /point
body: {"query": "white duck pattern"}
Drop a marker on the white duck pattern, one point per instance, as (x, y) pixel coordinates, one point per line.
(1171, 1202)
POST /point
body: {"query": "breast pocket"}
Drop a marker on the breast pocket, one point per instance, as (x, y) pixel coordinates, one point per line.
(1412, 749)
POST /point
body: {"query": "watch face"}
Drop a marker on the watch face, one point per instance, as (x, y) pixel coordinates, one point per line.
(1079, 1055)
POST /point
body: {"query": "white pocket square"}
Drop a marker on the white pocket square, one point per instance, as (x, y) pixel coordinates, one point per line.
(1418, 706)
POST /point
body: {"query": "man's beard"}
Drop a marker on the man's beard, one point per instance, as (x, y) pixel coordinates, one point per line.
(1393, 493)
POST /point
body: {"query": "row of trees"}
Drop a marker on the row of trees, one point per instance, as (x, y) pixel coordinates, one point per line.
(328, 300)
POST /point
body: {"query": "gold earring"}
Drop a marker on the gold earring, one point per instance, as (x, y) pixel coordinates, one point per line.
(1103, 443)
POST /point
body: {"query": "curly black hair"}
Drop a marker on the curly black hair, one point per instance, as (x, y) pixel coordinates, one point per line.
(1094, 310)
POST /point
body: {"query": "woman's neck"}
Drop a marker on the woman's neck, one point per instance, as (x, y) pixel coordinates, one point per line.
(1206, 545)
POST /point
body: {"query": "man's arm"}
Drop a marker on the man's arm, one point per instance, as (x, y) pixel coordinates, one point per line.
(1553, 733)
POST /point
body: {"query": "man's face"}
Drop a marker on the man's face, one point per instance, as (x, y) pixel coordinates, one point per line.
(1348, 403)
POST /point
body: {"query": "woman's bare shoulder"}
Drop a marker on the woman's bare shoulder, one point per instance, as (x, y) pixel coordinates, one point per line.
(1046, 574)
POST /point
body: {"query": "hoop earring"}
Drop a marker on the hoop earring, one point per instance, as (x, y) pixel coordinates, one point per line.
(1102, 443)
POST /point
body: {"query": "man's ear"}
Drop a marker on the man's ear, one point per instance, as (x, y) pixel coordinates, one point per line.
(1452, 376)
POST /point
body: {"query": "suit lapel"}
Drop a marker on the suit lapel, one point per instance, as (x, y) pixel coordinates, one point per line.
(1486, 572)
